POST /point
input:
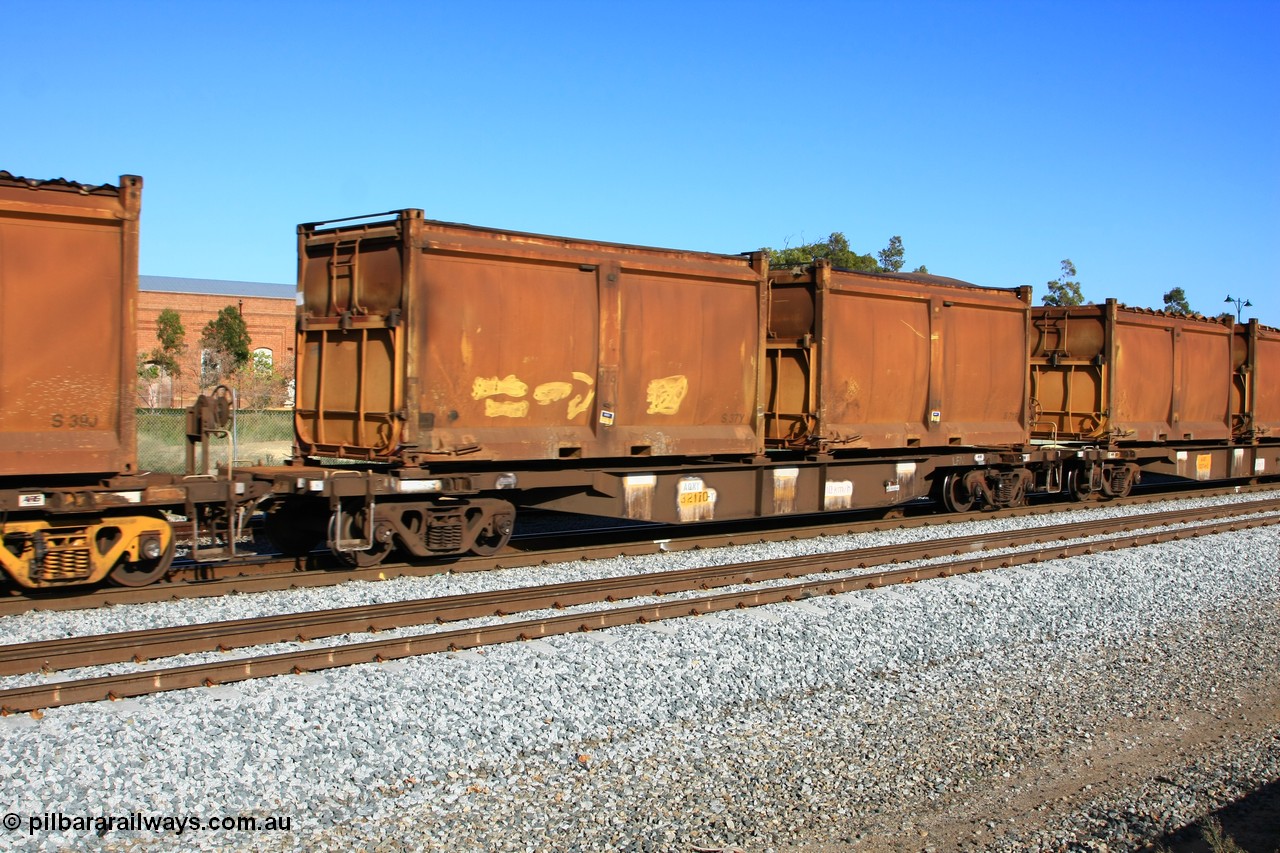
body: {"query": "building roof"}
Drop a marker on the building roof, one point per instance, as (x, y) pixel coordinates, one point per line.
(215, 287)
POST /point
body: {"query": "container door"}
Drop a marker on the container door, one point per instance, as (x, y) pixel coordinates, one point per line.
(351, 310)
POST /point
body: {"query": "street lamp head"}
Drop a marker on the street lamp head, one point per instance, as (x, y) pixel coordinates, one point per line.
(1241, 303)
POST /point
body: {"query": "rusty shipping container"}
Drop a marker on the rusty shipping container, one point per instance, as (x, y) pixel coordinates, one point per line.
(1111, 373)
(890, 361)
(1255, 395)
(68, 289)
(425, 342)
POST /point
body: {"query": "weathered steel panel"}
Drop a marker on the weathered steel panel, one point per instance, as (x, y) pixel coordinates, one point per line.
(894, 361)
(1130, 375)
(689, 365)
(875, 366)
(1266, 401)
(986, 391)
(509, 355)
(424, 341)
(68, 274)
(1142, 381)
(1204, 376)
(1258, 378)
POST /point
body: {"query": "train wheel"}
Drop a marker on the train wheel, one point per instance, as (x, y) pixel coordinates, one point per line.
(488, 544)
(955, 494)
(366, 559)
(143, 571)
(1122, 480)
(353, 527)
(494, 532)
(1078, 485)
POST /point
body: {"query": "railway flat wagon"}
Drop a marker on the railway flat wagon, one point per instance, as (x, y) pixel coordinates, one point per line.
(485, 369)
(429, 342)
(894, 361)
(1130, 376)
(68, 288)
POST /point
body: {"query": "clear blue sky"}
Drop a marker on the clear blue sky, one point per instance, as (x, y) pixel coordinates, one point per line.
(1138, 139)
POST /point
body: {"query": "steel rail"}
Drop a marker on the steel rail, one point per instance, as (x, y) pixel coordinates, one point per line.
(146, 682)
(99, 649)
(280, 574)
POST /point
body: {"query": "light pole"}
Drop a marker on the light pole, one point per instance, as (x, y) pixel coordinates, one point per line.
(1240, 304)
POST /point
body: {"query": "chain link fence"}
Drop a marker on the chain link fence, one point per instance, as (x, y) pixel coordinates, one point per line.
(262, 437)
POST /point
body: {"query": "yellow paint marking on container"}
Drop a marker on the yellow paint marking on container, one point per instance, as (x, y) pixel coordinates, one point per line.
(492, 386)
(580, 404)
(549, 392)
(506, 408)
(665, 395)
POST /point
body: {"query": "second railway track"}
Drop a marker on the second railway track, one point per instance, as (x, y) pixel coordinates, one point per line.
(166, 642)
(263, 574)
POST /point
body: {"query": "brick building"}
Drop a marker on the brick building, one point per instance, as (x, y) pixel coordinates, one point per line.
(268, 311)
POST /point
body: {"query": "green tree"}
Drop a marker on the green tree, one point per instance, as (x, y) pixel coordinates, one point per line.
(163, 358)
(891, 256)
(163, 361)
(224, 346)
(835, 249)
(1175, 302)
(146, 370)
(922, 269)
(172, 338)
(1064, 291)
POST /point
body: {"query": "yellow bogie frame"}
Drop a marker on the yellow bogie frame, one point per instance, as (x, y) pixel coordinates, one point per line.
(43, 554)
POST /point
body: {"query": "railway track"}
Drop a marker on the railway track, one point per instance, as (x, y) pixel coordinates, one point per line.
(264, 574)
(140, 645)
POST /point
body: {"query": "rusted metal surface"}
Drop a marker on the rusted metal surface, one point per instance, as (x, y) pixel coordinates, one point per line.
(725, 491)
(1207, 463)
(1130, 375)
(425, 342)
(858, 360)
(68, 288)
(1256, 386)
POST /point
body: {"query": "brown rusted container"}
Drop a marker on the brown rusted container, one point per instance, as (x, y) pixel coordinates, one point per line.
(1108, 372)
(1255, 395)
(861, 360)
(424, 342)
(68, 289)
